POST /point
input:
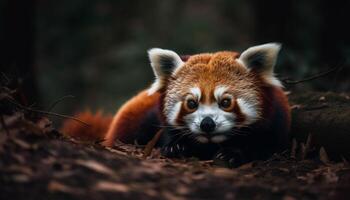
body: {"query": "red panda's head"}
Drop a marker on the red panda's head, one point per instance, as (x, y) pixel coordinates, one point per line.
(213, 93)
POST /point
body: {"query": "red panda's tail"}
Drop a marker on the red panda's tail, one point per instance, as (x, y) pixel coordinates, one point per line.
(96, 130)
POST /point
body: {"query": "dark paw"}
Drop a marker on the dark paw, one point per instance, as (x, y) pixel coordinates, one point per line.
(229, 158)
(174, 150)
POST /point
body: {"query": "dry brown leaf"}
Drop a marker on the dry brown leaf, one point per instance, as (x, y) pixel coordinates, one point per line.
(308, 143)
(116, 151)
(12, 120)
(21, 143)
(296, 106)
(55, 186)
(96, 166)
(20, 178)
(111, 187)
(224, 172)
(171, 196)
(45, 124)
(31, 127)
(182, 190)
(20, 168)
(246, 166)
(323, 155)
(330, 176)
(150, 145)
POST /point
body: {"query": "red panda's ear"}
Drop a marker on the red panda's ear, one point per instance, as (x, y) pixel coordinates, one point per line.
(164, 63)
(262, 59)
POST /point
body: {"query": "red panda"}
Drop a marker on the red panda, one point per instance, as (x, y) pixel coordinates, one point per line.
(224, 105)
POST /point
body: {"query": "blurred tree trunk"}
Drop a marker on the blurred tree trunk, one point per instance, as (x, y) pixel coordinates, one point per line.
(17, 34)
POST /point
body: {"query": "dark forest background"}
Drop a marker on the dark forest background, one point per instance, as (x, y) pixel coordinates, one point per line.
(96, 49)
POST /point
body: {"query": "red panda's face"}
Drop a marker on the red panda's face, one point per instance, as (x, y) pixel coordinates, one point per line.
(211, 95)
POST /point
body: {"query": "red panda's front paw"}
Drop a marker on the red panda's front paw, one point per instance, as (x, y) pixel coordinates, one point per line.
(174, 150)
(229, 158)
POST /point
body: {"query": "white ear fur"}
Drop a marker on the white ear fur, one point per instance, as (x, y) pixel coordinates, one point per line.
(262, 59)
(164, 63)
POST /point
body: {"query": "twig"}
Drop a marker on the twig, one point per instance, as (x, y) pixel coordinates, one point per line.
(150, 145)
(10, 99)
(59, 100)
(3, 75)
(294, 148)
(313, 77)
(308, 143)
(316, 107)
(302, 151)
(4, 124)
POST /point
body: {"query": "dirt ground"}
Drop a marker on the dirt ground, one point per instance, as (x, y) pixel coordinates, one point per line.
(37, 162)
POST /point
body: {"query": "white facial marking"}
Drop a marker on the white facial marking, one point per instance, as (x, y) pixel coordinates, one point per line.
(173, 113)
(156, 85)
(273, 80)
(202, 139)
(248, 110)
(224, 120)
(270, 52)
(196, 92)
(155, 56)
(219, 91)
(218, 138)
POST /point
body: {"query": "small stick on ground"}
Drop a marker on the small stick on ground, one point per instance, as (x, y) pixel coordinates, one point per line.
(4, 124)
(10, 99)
(323, 155)
(346, 162)
(150, 145)
(302, 151)
(294, 148)
(308, 144)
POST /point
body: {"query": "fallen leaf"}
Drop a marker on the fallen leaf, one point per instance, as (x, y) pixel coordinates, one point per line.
(21, 143)
(296, 106)
(224, 172)
(323, 155)
(20, 178)
(111, 187)
(97, 167)
(55, 186)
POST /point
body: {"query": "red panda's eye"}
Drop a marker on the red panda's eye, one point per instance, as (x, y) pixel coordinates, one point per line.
(225, 103)
(191, 104)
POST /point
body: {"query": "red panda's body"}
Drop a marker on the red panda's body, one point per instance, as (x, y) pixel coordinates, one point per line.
(224, 105)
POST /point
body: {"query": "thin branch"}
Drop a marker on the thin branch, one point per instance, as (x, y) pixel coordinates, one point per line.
(150, 145)
(59, 101)
(313, 77)
(4, 124)
(10, 99)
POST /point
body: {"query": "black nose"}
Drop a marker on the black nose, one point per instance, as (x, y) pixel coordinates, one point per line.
(207, 125)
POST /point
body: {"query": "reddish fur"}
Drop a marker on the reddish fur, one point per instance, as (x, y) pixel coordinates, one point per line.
(278, 96)
(98, 125)
(122, 126)
(128, 119)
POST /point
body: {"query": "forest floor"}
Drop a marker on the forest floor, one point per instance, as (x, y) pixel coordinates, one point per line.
(37, 162)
